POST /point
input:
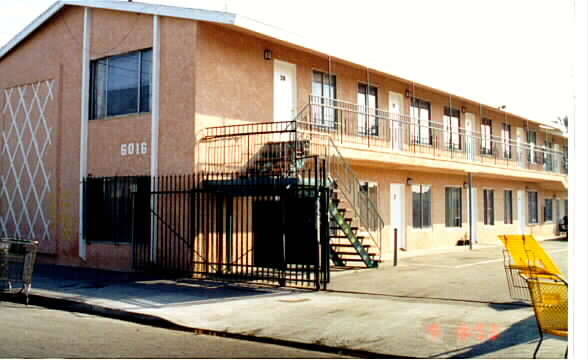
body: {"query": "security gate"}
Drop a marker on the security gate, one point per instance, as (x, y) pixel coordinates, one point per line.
(256, 227)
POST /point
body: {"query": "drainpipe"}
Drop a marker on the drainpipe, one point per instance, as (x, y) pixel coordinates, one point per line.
(471, 220)
(85, 114)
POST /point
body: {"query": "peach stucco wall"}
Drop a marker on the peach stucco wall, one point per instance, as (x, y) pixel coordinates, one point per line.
(211, 75)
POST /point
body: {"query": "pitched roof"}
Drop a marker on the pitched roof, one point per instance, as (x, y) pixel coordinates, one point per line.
(218, 17)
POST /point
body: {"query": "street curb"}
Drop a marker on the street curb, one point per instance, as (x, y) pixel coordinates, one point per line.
(150, 320)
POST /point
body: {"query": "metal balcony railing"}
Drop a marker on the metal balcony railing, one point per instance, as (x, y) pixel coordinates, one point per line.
(352, 124)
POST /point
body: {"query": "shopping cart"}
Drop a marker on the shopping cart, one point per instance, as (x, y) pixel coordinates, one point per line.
(17, 261)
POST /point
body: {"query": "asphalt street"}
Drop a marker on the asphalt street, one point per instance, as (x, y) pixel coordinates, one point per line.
(35, 332)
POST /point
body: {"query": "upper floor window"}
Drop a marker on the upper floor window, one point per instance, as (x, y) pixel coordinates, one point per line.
(451, 125)
(547, 157)
(506, 141)
(324, 90)
(120, 84)
(367, 99)
(532, 140)
(420, 118)
(486, 132)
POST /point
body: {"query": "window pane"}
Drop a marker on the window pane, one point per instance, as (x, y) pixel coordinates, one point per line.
(453, 207)
(548, 210)
(416, 207)
(123, 79)
(146, 67)
(427, 205)
(508, 206)
(98, 88)
(532, 207)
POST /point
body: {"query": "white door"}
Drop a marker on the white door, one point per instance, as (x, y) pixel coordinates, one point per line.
(284, 91)
(474, 219)
(470, 120)
(521, 156)
(397, 215)
(521, 207)
(396, 108)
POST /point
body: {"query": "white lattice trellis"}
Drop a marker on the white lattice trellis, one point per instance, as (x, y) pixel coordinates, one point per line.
(26, 182)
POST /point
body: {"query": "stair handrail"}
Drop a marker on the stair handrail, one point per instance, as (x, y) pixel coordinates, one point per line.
(348, 181)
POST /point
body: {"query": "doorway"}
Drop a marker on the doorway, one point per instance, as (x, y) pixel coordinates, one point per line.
(397, 214)
(396, 109)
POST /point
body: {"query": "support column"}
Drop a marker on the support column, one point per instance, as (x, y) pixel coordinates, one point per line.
(470, 216)
(155, 132)
(85, 115)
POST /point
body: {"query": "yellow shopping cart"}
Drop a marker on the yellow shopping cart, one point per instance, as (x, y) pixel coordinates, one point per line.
(524, 257)
(550, 303)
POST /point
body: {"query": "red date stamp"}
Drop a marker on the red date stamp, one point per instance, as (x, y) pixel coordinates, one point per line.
(463, 332)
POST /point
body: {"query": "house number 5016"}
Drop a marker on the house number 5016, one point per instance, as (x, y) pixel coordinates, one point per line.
(133, 149)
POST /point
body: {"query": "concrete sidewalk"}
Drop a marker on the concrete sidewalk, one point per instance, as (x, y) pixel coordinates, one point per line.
(371, 323)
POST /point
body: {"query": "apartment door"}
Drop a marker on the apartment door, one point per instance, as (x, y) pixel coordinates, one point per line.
(520, 150)
(284, 91)
(521, 209)
(470, 120)
(474, 218)
(396, 108)
(397, 214)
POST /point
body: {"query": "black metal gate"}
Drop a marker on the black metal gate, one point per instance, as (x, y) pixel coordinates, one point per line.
(257, 227)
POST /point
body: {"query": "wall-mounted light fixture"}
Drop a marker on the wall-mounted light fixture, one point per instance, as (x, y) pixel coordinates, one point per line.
(465, 185)
(463, 109)
(267, 54)
(407, 93)
(408, 181)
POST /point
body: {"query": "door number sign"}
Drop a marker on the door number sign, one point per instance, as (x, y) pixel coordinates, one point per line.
(133, 149)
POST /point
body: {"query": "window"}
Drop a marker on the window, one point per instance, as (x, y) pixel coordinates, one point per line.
(453, 207)
(421, 206)
(420, 118)
(508, 206)
(371, 190)
(117, 209)
(120, 84)
(532, 140)
(488, 207)
(486, 130)
(532, 207)
(325, 92)
(451, 124)
(506, 141)
(548, 211)
(565, 158)
(548, 163)
(367, 122)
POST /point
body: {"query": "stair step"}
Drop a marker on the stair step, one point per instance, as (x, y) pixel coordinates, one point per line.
(366, 246)
(352, 260)
(351, 253)
(345, 237)
(353, 228)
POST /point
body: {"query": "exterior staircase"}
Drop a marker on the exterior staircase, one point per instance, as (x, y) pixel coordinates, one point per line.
(347, 246)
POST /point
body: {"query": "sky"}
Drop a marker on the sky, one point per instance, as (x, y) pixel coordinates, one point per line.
(518, 53)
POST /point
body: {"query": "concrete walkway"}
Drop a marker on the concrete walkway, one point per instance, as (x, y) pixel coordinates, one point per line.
(441, 305)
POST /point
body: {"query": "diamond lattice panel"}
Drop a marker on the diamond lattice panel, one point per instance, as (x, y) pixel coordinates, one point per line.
(25, 179)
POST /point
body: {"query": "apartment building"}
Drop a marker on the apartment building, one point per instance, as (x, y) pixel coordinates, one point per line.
(112, 89)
